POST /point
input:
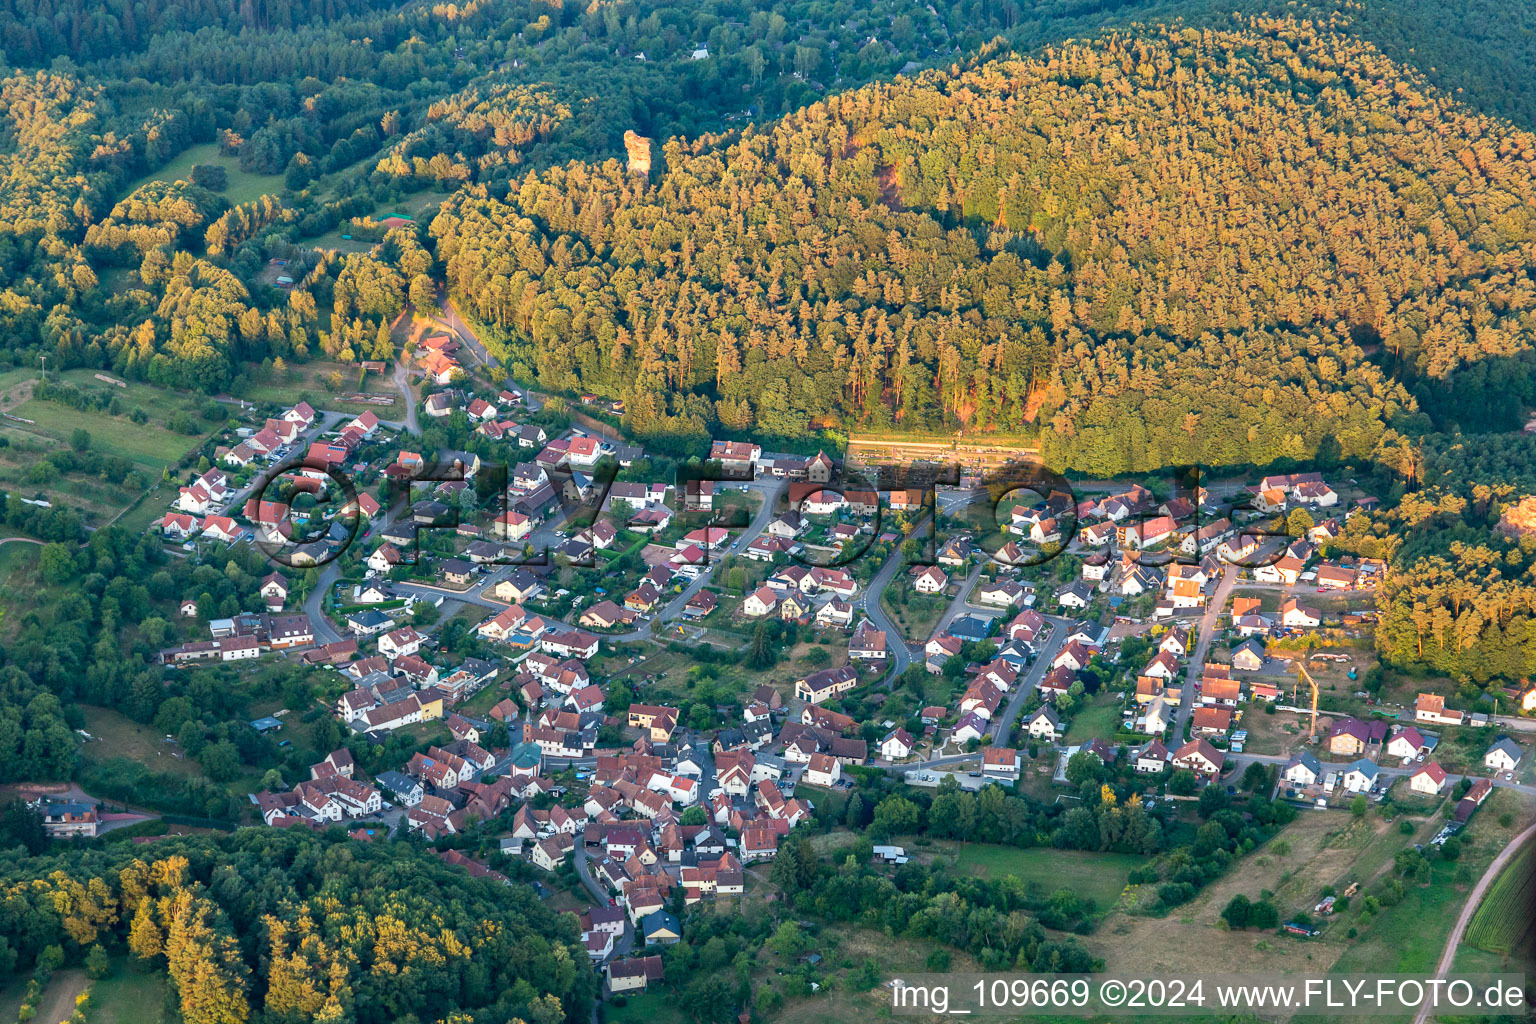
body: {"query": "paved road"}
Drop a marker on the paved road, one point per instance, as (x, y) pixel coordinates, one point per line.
(1444, 966)
(768, 491)
(624, 943)
(706, 759)
(324, 420)
(314, 604)
(898, 650)
(478, 594)
(1387, 771)
(1207, 629)
(901, 651)
(1027, 683)
(450, 316)
(960, 605)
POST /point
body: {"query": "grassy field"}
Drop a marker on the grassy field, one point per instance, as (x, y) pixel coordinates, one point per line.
(307, 380)
(18, 589)
(149, 509)
(243, 186)
(919, 615)
(650, 1008)
(420, 206)
(1099, 719)
(128, 996)
(1280, 733)
(117, 735)
(150, 446)
(333, 242)
(16, 555)
(1096, 876)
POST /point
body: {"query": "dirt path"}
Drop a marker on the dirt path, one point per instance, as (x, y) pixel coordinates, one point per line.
(58, 1002)
(1449, 954)
(17, 395)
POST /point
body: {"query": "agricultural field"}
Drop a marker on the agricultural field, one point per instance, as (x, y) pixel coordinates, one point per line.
(1314, 850)
(242, 187)
(1410, 936)
(1503, 919)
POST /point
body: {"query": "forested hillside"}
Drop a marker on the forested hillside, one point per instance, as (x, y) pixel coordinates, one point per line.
(1173, 246)
(282, 925)
(1094, 244)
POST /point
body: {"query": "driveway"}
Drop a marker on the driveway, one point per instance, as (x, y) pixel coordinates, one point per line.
(402, 379)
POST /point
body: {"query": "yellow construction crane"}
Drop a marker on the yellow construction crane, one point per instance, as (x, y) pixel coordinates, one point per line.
(1302, 673)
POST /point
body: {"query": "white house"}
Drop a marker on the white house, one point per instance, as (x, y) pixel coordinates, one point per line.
(178, 525)
(1044, 724)
(221, 528)
(1152, 758)
(1075, 595)
(1295, 614)
(1360, 776)
(1406, 742)
(931, 580)
(1302, 770)
(761, 602)
(1156, 719)
(1503, 756)
(896, 745)
(399, 643)
(1427, 780)
(971, 727)
(1000, 763)
(822, 770)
